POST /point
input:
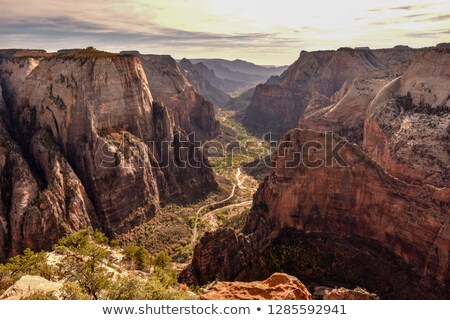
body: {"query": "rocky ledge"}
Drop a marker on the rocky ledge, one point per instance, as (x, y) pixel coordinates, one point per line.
(278, 286)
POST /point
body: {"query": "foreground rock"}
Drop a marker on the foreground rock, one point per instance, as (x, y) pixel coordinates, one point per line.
(279, 286)
(348, 294)
(28, 285)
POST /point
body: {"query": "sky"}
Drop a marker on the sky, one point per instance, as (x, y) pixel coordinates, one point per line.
(264, 32)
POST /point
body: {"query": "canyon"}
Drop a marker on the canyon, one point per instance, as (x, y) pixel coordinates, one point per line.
(383, 209)
(357, 195)
(325, 89)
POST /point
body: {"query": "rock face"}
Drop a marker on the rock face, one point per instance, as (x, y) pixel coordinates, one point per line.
(408, 123)
(189, 109)
(347, 294)
(325, 89)
(27, 285)
(84, 144)
(206, 83)
(278, 286)
(241, 102)
(353, 201)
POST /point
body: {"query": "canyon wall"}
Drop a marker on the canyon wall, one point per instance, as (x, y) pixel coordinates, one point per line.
(206, 83)
(85, 144)
(358, 202)
(407, 126)
(325, 89)
(189, 109)
(377, 217)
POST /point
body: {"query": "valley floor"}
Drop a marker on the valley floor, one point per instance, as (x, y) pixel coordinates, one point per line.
(178, 227)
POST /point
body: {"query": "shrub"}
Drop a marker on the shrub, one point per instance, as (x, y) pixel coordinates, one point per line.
(162, 260)
(73, 291)
(85, 258)
(129, 287)
(182, 253)
(138, 256)
(40, 295)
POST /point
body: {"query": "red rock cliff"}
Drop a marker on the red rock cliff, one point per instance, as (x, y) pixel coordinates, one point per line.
(89, 150)
(358, 200)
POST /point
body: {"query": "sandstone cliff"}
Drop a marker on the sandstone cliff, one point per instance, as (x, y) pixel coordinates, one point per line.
(85, 144)
(325, 89)
(206, 83)
(407, 125)
(347, 221)
(189, 109)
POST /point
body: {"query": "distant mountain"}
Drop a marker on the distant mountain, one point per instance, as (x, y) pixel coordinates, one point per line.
(227, 83)
(242, 71)
(207, 84)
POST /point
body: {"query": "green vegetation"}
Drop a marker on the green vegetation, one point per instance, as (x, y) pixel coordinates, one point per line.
(41, 295)
(138, 256)
(87, 54)
(162, 260)
(90, 268)
(85, 260)
(29, 263)
(23, 53)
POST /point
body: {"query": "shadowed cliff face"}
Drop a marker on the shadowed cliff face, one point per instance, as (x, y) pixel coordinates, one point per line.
(37, 210)
(359, 200)
(89, 152)
(325, 89)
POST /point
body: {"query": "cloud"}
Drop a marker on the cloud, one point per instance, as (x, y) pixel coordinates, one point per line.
(443, 17)
(64, 30)
(433, 34)
(399, 8)
(265, 33)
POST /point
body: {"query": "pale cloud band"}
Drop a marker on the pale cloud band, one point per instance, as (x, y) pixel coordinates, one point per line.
(264, 32)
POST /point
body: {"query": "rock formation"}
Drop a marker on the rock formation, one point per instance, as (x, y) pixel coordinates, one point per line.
(347, 294)
(206, 83)
(240, 102)
(344, 211)
(407, 126)
(325, 89)
(278, 286)
(84, 144)
(189, 109)
(28, 285)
